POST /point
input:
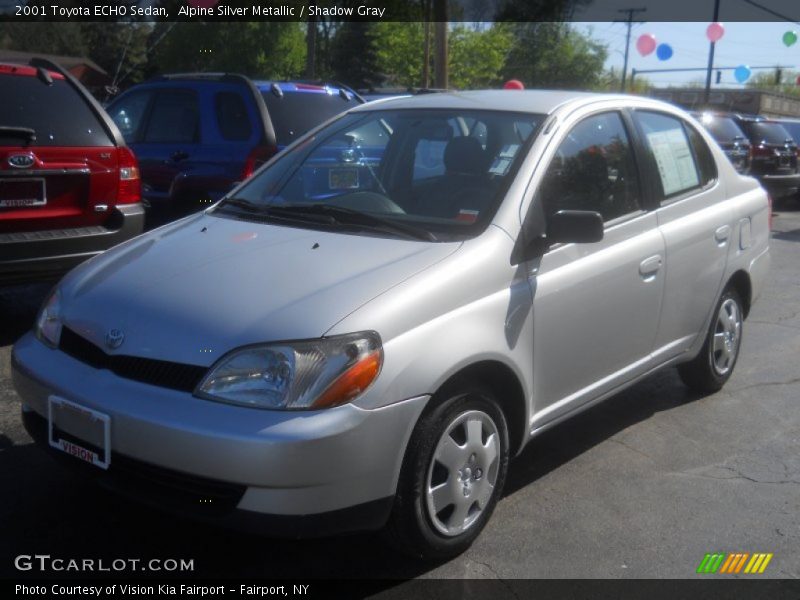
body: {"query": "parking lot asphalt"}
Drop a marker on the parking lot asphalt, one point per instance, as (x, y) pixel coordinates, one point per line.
(640, 486)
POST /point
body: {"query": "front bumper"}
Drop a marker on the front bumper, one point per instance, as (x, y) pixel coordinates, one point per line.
(302, 468)
(41, 255)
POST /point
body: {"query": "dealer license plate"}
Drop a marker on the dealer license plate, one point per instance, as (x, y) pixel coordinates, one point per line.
(79, 431)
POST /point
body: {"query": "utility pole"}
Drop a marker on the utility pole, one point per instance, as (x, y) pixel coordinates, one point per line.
(440, 61)
(426, 64)
(629, 21)
(711, 57)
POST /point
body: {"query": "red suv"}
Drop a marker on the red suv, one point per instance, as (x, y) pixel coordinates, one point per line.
(69, 186)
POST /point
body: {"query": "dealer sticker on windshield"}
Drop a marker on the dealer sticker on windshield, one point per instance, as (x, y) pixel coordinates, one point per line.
(79, 431)
(343, 179)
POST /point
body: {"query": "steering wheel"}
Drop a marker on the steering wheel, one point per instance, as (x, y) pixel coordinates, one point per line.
(367, 202)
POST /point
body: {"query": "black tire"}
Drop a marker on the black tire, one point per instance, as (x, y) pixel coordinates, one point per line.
(411, 528)
(703, 374)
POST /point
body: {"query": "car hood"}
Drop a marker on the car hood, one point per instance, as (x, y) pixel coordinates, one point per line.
(191, 291)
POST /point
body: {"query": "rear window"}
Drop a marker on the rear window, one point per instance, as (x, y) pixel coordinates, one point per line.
(57, 113)
(298, 112)
(762, 131)
(723, 129)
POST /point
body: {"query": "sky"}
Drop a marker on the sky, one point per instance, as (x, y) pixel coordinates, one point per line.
(744, 43)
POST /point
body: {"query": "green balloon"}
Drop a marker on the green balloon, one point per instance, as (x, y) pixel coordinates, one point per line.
(789, 38)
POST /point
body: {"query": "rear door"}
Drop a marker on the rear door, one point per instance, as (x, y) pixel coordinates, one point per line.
(168, 141)
(57, 162)
(695, 221)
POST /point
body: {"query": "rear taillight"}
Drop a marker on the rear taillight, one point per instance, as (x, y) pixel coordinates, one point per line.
(257, 157)
(129, 190)
(769, 219)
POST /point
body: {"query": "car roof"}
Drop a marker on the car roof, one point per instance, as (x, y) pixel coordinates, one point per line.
(299, 86)
(529, 101)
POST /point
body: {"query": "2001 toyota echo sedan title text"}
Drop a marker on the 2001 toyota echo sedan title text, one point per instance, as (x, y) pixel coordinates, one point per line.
(363, 334)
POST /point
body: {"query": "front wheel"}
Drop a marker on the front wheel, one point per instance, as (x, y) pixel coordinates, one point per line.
(709, 371)
(452, 476)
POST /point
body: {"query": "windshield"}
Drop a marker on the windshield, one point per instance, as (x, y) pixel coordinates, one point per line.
(441, 172)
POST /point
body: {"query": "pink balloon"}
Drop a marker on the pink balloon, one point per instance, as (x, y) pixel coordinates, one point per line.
(646, 43)
(715, 31)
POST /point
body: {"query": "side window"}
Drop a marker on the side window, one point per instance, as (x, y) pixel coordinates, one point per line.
(671, 151)
(128, 112)
(705, 160)
(174, 118)
(232, 118)
(593, 169)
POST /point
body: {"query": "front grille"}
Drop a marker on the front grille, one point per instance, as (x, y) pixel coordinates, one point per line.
(176, 376)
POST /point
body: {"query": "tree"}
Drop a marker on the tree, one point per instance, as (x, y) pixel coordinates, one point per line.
(766, 81)
(477, 56)
(554, 55)
(354, 55)
(268, 49)
(400, 52)
(611, 81)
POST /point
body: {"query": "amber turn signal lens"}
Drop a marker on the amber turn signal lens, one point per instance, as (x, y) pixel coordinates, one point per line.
(352, 382)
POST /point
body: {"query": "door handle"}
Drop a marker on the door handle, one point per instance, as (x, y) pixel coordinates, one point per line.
(179, 155)
(722, 234)
(649, 267)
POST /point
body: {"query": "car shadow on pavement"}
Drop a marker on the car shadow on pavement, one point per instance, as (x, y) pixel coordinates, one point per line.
(787, 236)
(575, 436)
(55, 512)
(18, 308)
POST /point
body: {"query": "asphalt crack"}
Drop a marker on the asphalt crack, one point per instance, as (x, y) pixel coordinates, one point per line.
(631, 448)
(736, 474)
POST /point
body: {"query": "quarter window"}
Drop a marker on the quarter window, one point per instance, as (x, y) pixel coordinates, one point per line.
(593, 169)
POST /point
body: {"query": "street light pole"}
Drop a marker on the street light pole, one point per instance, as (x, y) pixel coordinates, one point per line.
(711, 57)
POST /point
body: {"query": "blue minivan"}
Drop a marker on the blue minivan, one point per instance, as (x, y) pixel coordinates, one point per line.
(198, 134)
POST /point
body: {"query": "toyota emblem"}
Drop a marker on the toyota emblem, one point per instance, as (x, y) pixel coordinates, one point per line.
(114, 338)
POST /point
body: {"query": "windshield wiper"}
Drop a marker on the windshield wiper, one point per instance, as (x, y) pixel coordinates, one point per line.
(25, 133)
(348, 216)
(273, 211)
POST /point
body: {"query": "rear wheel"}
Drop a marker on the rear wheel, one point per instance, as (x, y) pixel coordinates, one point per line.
(709, 371)
(452, 476)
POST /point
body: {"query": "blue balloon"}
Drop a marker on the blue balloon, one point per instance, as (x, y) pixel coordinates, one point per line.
(664, 52)
(742, 73)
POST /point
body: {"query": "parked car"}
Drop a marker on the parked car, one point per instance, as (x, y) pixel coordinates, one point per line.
(774, 155)
(198, 134)
(731, 139)
(69, 186)
(347, 341)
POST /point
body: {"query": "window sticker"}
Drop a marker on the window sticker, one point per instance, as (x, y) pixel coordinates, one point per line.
(502, 163)
(674, 159)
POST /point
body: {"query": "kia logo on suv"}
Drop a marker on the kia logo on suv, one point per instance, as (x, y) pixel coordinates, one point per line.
(21, 161)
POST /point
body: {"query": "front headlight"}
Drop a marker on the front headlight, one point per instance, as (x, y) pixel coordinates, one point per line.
(48, 323)
(296, 375)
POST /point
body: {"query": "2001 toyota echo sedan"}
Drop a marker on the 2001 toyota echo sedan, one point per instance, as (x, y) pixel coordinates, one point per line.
(363, 334)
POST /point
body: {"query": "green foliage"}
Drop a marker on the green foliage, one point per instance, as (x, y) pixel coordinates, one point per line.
(354, 55)
(766, 81)
(400, 52)
(258, 49)
(477, 56)
(611, 81)
(553, 55)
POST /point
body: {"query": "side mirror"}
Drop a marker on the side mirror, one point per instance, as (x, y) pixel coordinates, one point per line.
(574, 226)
